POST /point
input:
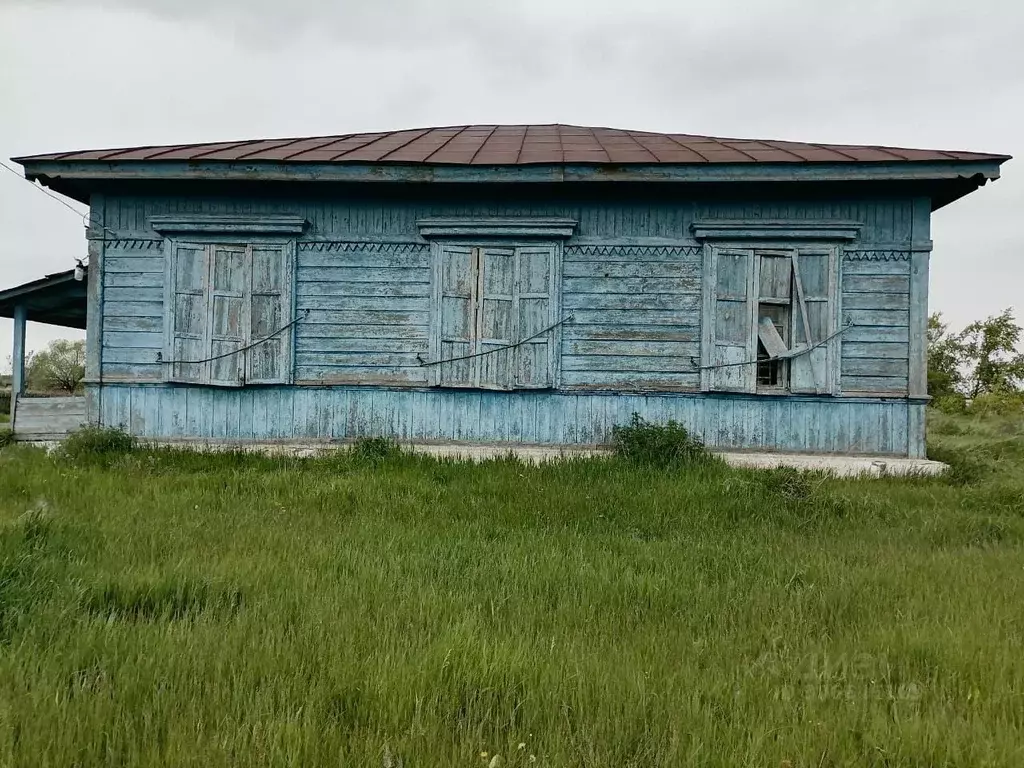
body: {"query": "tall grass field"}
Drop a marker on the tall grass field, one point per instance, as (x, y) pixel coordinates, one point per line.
(370, 608)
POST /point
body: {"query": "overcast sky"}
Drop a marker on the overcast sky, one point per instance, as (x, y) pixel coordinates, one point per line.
(78, 74)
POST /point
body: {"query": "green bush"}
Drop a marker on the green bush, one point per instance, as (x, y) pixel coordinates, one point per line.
(659, 445)
(6, 436)
(97, 444)
(952, 403)
(998, 404)
(375, 450)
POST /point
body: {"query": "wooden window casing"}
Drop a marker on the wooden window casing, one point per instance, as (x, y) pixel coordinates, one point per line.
(492, 313)
(226, 304)
(770, 320)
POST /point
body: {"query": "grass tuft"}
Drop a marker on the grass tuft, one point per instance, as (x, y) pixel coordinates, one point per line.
(167, 599)
(97, 445)
(659, 445)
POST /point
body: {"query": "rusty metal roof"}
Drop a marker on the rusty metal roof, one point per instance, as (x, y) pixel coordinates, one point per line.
(499, 145)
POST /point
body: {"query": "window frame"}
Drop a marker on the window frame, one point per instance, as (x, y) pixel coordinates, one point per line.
(755, 250)
(554, 312)
(208, 242)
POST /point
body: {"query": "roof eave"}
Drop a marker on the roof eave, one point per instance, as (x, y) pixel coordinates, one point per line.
(75, 178)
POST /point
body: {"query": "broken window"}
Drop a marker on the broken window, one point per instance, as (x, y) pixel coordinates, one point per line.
(773, 313)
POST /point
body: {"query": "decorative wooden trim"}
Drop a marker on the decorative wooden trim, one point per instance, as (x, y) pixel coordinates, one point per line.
(549, 227)
(133, 244)
(633, 250)
(775, 229)
(270, 225)
(362, 247)
(850, 254)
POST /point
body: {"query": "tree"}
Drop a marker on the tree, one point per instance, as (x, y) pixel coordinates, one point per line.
(980, 360)
(990, 349)
(946, 357)
(61, 366)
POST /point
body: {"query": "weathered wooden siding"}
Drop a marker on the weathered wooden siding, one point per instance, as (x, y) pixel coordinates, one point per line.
(876, 300)
(852, 425)
(48, 418)
(631, 281)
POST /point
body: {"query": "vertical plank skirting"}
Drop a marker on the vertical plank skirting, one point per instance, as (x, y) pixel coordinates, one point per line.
(309, 414)
(916, 430)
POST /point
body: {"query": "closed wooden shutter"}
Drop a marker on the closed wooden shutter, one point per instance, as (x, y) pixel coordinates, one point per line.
(227, 314)
(732, 345)
(814, 322)
(536, 287)
(497, 319)
(493, 311)
(456, 316)
(267, 361)
(187, 315)
(229, 305)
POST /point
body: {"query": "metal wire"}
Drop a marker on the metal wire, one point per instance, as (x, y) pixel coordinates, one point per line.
(246, 348)
(48, 193)
(802, 352)
(519, 343)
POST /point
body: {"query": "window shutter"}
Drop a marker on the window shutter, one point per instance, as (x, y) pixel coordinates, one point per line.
(268, 361)
(732, 322)
(227, 314)
(187, 339)
(535, 311)
(497, 321)
(814, 321)
(456, 316)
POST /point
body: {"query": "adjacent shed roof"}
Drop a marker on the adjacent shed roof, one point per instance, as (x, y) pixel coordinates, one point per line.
(57, 299)
(505, 145)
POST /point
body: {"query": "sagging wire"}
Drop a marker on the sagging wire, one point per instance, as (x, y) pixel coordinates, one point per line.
(246, 348)
(800, 353)
(428, 363)
(83, 215)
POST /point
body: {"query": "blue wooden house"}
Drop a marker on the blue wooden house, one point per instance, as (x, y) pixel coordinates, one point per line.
(512, 285)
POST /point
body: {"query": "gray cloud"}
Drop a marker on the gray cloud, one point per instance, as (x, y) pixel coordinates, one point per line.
(94, 73)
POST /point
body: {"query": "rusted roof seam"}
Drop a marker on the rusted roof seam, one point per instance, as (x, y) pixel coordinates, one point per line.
(422, 132)
(597, 140)
(488, 138)
(447, 141)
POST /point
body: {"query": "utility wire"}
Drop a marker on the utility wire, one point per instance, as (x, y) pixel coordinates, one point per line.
(799, 353)
(84, 216)
(246, 348)
(425, 364)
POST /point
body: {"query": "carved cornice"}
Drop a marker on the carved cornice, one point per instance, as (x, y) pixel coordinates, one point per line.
(229, 225)
(775, 229)
(550, 227)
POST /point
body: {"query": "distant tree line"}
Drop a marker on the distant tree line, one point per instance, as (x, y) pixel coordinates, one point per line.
(978, 368)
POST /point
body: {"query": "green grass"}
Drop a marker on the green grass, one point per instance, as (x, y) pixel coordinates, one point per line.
(162, 608)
